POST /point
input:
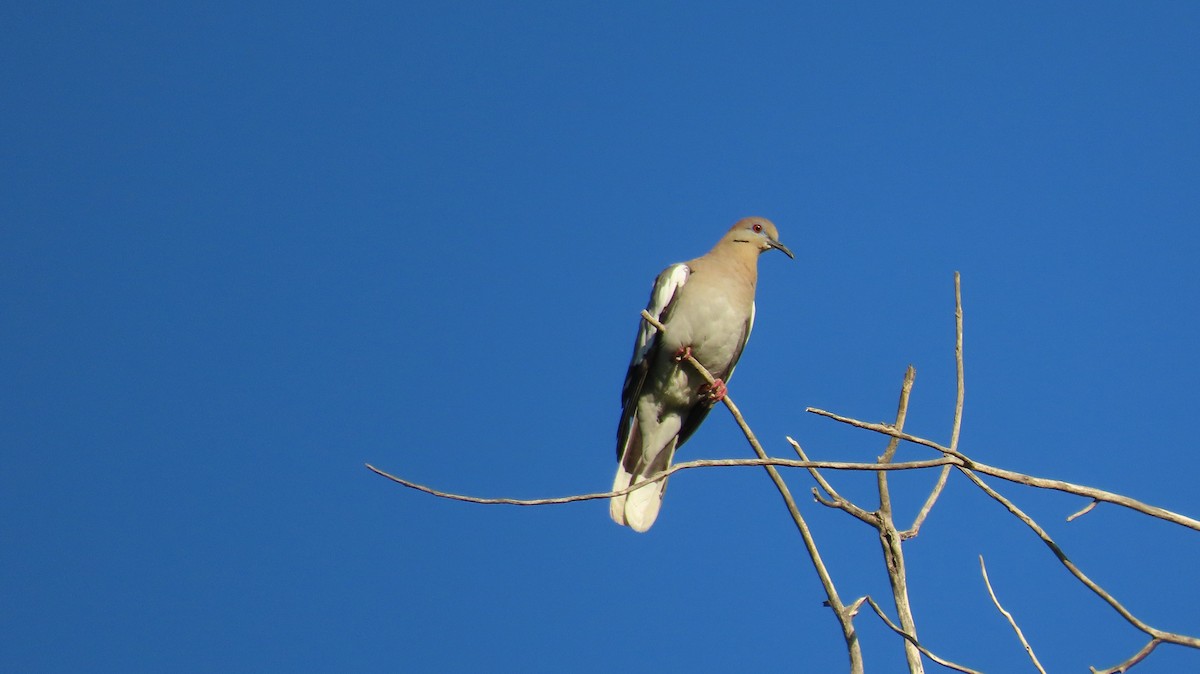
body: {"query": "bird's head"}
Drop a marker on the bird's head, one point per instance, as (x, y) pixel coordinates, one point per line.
(758, 232)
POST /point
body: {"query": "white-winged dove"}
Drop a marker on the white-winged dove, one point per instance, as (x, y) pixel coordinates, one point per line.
(707, 306)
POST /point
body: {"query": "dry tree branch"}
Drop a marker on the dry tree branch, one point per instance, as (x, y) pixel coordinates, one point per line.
(910, 375)
(958, 362)
(852, 609)
(1011, 621)
(1153, 632)
(1133, 660)
(844, 618)
(913, 640)
(886, 429)
(882, 519)
(835, 499)
(1084, 510)
(1081, 490)
(938, 486)
(956, 425)
(967, 467)
(1020, 478)
(698, 463)
(890, 539)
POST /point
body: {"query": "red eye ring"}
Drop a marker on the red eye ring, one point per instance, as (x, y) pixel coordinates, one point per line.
(757, 227)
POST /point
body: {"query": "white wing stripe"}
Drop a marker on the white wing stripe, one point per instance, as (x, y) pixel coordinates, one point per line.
(665, 287)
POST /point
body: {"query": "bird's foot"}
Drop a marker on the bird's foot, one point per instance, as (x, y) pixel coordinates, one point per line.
(683, 354)
(713, 393)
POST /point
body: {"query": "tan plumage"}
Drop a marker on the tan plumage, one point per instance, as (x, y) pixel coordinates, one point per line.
(706, 304)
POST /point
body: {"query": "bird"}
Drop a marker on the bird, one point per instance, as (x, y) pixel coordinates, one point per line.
(707, 308)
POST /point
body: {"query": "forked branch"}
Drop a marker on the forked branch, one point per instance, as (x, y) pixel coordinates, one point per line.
(1019, 478)
(882, 518)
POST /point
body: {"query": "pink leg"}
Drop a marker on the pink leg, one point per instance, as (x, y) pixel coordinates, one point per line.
(714, 392)
(683, 353)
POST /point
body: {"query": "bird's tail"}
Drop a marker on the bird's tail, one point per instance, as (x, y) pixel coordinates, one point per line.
(639, 508)
(642, 505)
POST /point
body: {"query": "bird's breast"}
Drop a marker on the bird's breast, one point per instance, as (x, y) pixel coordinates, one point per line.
(715, 330)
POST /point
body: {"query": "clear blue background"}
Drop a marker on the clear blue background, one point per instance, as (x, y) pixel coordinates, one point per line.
(246, 248)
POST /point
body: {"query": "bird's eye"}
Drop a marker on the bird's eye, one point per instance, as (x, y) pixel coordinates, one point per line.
(757, 227)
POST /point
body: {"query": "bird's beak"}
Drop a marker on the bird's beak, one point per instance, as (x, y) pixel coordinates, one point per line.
(779, 246)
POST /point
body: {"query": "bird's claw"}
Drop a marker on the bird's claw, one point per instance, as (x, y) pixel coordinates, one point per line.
(683, 354)
(713, 393)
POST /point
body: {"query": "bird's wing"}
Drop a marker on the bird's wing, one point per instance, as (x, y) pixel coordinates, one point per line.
(646, 346)
(737, 355)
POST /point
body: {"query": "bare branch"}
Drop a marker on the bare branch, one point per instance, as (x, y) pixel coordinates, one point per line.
(836, 499)
(912, 640)
(886, 429)
(829, 502)
(1133, 660)
(653, 321)
(1170, 637)
(1020, 478)
(1084, 510)
(910, 374)
(958, 362)
(882, 520)
(1011, 620)
(844, 619)
(938, 486)
(852, 609)
(698, 463)
(956, 425)
(1090, 492)
(889, 538)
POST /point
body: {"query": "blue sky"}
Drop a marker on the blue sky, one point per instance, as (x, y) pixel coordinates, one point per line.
(246, 249)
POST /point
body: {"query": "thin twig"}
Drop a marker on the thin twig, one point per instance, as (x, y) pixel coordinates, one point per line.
(910, 374)
(839, 609)
(1011, 621)
(912, 640)
(835, 500)
(698, 463)
(1133, 660)
(1170, 637)
(1020, 478)
(956, 426)
(885, 429)
(653, 321)
(951, 457)
(938, 486)
(968, 467)
(1084, 510)
(852, 609)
